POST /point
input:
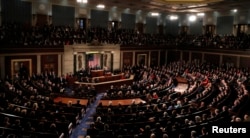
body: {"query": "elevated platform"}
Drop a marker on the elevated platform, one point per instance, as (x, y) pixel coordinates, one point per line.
(103, 86)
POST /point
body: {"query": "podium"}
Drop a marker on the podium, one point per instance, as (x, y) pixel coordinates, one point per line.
(97, 73)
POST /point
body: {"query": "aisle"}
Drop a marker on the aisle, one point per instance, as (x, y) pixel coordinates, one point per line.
(81, 129)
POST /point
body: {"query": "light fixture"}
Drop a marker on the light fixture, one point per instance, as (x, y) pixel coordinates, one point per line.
(192, 18)
(100, 6)
(173, 17)
(235, 10)
(200, 14)
(82, 1)
(154, 14)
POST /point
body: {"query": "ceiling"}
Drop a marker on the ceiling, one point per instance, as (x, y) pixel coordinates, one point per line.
(166, 6)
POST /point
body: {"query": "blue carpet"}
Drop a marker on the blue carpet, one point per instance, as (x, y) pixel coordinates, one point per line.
(81, 129)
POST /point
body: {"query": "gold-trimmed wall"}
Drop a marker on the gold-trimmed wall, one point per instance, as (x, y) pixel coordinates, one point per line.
(70, 51)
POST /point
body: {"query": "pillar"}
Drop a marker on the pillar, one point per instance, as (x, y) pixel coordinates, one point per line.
(220, 63)
(238, 62)
(74, 62)
(181, 55)
(38, 61)
(2, 64)
(159, 57)
(59, 71)
(134, 62)
(112, 62)
(202, 58)
(190, 56)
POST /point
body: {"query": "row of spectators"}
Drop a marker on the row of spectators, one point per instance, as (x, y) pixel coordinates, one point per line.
(27, 107)
(214, 92)
(50, 35)
(215, 95)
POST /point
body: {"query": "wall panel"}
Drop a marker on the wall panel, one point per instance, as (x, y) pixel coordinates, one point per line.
(141, 58)
(163, 57)
(185, 56)
(127, 58)
(151, 25)
(212, 58)
(16, 11)
(9, 66)
(230, 60)
(128, 21)
(224, 25)
(172, 27)
(154, 58)
(63, 15)
(244, 62)
(195, 28)
(196, 56)
(173, 56)
(99, 18)
(49, 63)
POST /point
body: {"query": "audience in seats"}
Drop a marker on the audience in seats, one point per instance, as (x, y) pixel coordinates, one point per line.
(214, 95)
(13, 34)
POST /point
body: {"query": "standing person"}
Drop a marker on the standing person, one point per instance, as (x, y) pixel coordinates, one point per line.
(23, 71)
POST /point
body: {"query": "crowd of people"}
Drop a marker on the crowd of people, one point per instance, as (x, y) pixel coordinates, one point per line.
(50, 35)
(214, 95)
(28, 108)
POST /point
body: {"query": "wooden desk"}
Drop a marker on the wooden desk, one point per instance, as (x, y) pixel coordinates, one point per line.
(103, 86)
(106, 78)
(96, 73)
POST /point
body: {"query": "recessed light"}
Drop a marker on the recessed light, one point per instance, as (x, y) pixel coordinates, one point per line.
(192, 18)
(101, 6)
(154, 14)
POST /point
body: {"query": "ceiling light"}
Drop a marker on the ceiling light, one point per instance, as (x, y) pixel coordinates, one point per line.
(235, 10)
(200, 14)
(192, 18)
(101, 6)
(82, 1)
(193, 10)
(173, 17)
(154, 14)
